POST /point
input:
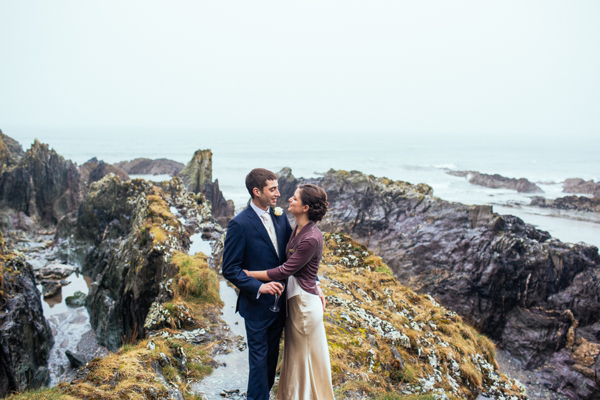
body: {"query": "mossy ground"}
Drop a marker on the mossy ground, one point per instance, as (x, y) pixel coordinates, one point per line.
(130, 373)
(385, 339)
(386, 342)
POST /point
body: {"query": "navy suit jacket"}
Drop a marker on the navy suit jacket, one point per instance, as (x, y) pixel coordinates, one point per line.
(248, 246)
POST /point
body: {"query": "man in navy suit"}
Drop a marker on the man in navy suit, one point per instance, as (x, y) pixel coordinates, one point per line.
(256, 240)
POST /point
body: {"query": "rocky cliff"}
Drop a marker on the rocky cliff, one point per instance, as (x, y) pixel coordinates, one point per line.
(132, 234)
(538, 297)
(40, 184)
(25, 337)
(384, 339)
(197, 177)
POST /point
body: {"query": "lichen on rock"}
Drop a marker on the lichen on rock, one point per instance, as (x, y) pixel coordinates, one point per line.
(395, 340)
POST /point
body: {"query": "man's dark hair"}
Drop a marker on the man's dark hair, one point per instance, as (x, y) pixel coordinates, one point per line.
(257, 178)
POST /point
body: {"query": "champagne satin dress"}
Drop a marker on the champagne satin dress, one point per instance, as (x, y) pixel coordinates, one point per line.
(306, 369)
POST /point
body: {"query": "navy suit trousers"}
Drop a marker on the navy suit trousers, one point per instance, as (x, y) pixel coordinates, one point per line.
(263, 349)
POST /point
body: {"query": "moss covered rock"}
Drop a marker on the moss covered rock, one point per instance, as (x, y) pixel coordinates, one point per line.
(385, 338)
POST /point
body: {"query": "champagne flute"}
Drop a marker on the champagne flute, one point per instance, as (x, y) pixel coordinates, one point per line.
(275, 307)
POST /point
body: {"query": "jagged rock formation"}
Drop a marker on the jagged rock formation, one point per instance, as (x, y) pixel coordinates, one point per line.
(93, 170)
(10, 152)
(40, 184)
(497, 181)
(577, 185)
(197, 177)
(575, 203)
(132, 234)
(197, 174)
(513, 282)
(146, 166)
(25, 337)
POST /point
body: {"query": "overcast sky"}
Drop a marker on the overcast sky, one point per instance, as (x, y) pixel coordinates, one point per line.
(510, 67)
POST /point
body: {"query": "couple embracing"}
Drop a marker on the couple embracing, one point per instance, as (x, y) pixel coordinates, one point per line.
(275, 267)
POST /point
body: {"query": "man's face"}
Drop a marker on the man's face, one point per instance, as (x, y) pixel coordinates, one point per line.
(269, 195)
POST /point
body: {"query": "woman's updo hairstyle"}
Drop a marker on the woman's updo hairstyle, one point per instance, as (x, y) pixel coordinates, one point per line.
(316, 199)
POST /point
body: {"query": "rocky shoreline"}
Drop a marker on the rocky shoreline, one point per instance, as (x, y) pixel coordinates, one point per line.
(157, 308)
(536, 296)
(571, 203)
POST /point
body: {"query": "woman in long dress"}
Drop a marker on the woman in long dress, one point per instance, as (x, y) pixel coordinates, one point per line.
(306, 370)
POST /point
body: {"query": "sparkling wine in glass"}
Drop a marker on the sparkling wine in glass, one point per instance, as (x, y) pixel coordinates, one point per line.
(274, 307)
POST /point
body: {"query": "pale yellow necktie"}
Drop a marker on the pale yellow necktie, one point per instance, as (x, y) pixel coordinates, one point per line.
(268, 223)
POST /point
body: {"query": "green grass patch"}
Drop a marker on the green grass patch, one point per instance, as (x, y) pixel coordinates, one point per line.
(41, 394)
(384, 270)
(196, 281)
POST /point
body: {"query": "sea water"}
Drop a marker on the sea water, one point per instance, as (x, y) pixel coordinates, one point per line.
(411, 158)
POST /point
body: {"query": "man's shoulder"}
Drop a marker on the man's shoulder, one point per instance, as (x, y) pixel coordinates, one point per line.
(242, 217)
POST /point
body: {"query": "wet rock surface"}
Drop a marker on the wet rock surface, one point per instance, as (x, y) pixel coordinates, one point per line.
(25, 336)
(577, 203)
(513, 282)
(497, 181)
(69, 324)
(77, 300)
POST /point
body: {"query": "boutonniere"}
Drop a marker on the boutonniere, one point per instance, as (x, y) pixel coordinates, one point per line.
(278, 211)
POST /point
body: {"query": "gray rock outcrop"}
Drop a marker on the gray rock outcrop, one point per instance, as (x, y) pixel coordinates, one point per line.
(574, 203)
(197, 177)
(40, 184)
(93, 170)
(131, 234)
(146, 166)
(25, 336)
(513, 282)
(124, 261)
(497, 181)
(577, 185)
(10, 152)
